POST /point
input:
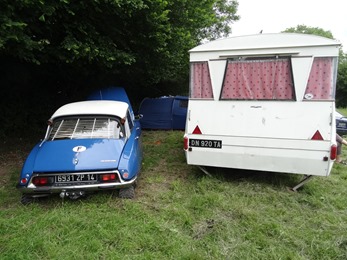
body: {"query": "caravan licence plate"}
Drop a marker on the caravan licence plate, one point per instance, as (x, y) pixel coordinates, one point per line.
(205, 143)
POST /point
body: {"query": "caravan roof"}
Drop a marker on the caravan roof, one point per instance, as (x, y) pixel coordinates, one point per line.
(266, 41)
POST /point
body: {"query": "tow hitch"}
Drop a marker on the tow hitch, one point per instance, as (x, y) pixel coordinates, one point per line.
(73, 195)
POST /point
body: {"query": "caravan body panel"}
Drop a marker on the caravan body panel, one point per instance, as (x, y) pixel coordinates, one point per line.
(238, 117)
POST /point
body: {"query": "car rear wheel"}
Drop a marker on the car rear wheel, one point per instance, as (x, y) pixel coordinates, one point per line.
(127, 193)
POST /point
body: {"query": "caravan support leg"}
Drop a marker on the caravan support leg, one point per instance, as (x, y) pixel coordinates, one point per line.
(306, 179)
(205, 171)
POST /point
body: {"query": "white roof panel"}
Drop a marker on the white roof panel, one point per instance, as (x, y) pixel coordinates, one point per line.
(266, 41)
(113, 108)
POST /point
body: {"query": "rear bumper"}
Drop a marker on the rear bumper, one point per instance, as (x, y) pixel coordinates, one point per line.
(30, 188)
(90, 187)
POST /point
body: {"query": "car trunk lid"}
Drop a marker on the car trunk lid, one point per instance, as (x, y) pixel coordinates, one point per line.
(78, 155)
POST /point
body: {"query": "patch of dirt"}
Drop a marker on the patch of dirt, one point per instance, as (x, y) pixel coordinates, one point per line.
(159, 179)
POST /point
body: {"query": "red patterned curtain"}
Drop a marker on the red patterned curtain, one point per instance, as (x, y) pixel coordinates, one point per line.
(320, 82)
(267, 79)
(200, 86)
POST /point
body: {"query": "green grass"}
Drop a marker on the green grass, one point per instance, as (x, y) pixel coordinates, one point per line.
(179, 213)
(342, 110)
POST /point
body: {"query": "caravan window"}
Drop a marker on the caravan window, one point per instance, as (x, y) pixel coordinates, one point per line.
(200, 81)
(321, 82)
(258, 79)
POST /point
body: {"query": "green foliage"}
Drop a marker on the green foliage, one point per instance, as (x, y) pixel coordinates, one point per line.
(341, 85)
(178, 213)
(310, 30)
(59, 51)
(341, 82)
(150, 38)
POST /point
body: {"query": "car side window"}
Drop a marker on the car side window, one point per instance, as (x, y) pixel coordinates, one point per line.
(130, 121)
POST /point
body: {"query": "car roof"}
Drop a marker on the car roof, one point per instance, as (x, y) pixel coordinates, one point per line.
(112, 108)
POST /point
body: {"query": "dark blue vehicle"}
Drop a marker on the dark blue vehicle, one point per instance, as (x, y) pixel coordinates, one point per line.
(341, 123)
(168, 112)
(89, 146)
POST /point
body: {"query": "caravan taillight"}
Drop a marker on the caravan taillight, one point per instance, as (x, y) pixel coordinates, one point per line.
(333, 152)
(185, 143)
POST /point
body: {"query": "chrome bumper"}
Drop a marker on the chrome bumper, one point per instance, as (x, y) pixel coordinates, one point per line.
(30, 188)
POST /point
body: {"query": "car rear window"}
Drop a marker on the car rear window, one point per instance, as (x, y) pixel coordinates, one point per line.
(86, 128)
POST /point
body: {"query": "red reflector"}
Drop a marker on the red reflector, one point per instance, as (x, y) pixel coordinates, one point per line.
(333, 152)
(317, 136)
(197, 131)
(108, 177)
(23, 180)
(185, 143)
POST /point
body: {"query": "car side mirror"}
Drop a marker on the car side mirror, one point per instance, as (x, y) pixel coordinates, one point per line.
(138, 116)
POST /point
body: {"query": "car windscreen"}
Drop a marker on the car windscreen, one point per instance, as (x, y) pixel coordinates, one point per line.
(86, 128)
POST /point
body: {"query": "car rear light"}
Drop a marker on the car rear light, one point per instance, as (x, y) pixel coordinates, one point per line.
(23, 180)
(108, 177)
(185, 143)
(42, 181)
(333, 152)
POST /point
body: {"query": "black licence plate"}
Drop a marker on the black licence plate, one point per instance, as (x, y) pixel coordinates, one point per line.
(205, 143)
(75, 178)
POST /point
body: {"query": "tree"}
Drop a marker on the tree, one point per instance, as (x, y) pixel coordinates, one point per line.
(151, 36)
(63, 49)
(310, 30)
(341, 83)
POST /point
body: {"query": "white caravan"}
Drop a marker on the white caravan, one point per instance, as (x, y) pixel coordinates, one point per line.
(263, 102)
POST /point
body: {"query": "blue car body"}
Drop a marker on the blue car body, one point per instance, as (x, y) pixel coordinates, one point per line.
(89, 146)
(112, 93)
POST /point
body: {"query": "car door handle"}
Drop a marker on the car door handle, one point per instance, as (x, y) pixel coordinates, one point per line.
(137, 137)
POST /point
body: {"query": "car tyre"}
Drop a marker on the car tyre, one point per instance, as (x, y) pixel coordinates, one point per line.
(127, 193)
(26, 199)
